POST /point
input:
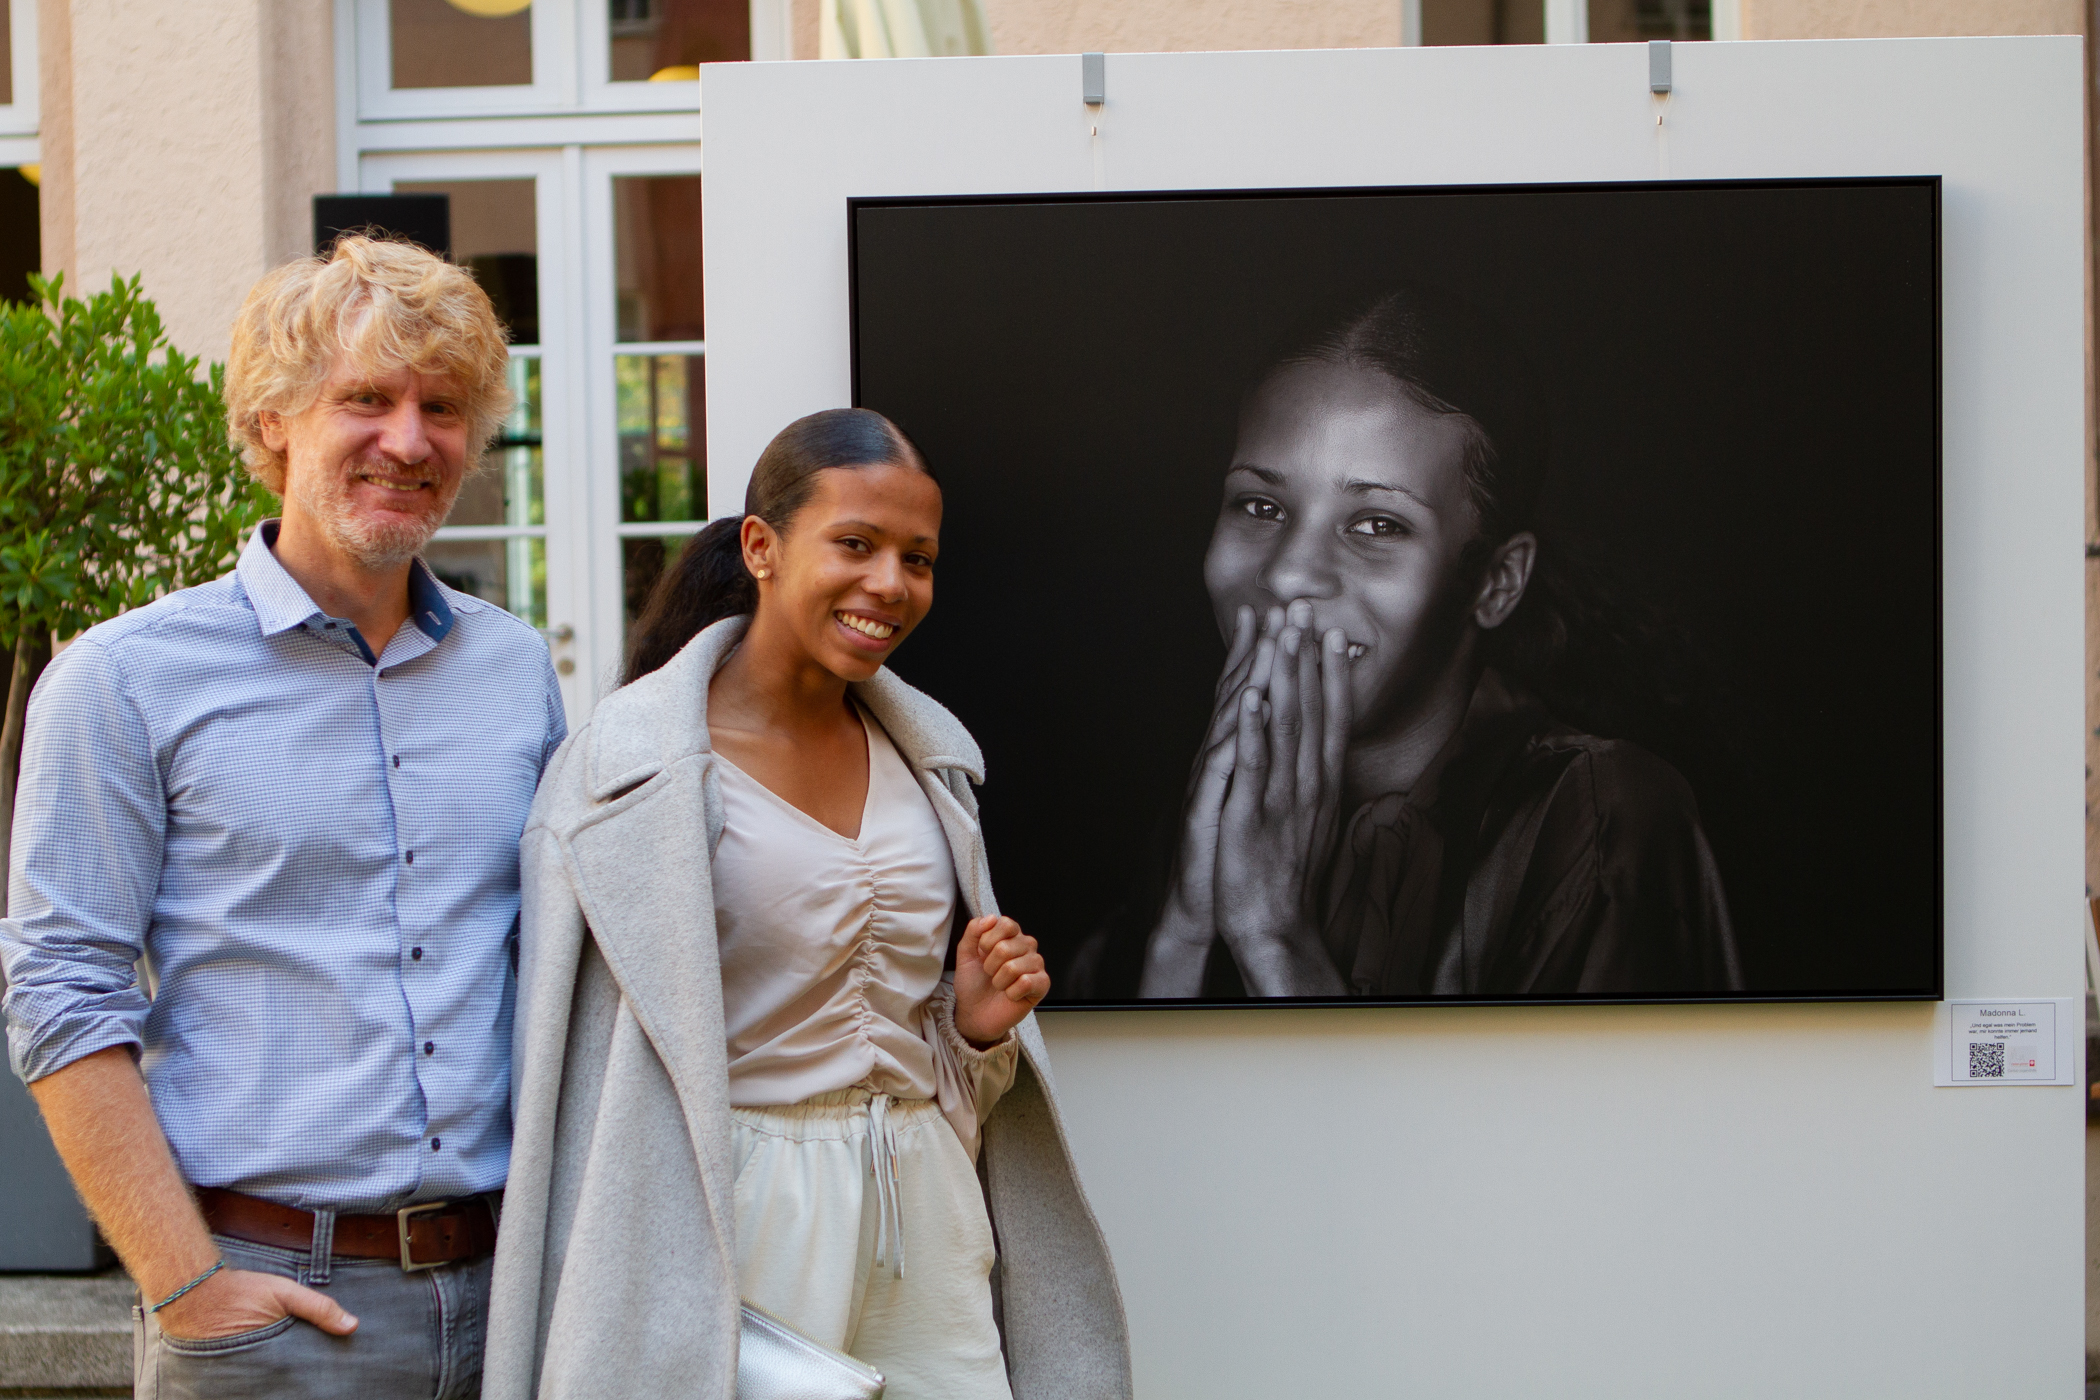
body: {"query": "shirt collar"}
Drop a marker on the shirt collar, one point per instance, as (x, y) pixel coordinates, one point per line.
(281, 604)
(426, 602)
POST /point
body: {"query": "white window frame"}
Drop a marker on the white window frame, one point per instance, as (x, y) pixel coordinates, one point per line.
(553, 84)
(1567, 21)
(562, 366)
(594, 60)
(600, 165)
(771, 22)
(575, 34)
(572, 131)
(18, 119)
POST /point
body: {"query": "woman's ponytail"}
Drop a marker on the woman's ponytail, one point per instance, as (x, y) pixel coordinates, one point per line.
(704, 584)
(708, 580)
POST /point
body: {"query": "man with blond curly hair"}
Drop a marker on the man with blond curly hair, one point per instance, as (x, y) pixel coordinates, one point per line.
(295, 794)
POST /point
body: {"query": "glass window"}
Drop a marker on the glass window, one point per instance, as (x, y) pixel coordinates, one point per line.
(461, 43)
(494, 544)
(1632, 21)
(7, 55)
(642, 563)
(659, 373)
(1485, 21)
(495, 232)
(510, 488)
(656, 257)
(485, 549)
(668, 40)
(662, 406)
(21, 237)
(511, 572)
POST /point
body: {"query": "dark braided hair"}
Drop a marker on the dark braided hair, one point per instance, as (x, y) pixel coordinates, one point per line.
(708, 580)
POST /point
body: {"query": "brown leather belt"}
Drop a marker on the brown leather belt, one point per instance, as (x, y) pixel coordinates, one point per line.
(419, 1237)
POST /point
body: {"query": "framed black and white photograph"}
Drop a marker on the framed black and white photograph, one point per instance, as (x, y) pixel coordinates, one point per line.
(1478, 594)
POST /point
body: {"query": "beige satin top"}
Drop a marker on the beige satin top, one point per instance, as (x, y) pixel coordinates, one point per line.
(831, 948)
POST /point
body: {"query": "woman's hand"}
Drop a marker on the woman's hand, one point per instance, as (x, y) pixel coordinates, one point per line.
(1175, 951)
(999, 977)
(1276, 829)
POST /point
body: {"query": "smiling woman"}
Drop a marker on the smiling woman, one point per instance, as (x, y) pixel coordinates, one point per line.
(1380, 808)
(811, 820)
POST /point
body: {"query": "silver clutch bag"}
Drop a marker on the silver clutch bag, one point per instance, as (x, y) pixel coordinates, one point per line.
(775, 1362)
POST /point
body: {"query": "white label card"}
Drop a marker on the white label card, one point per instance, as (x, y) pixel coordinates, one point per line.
(2006, 1042)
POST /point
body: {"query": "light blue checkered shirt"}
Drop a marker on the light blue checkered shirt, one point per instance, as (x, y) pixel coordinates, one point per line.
(320, 857)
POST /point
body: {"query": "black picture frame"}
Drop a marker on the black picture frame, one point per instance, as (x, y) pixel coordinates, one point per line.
(1743, 380)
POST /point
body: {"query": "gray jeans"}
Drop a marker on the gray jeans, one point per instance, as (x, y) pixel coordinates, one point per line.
(419, 1337)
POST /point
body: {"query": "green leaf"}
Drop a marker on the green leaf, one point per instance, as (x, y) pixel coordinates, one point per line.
(117, 482)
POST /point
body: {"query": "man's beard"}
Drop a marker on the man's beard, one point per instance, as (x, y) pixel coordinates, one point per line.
(374, 544)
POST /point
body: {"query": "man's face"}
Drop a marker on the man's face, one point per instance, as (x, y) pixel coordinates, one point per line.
(375, 461)
(1346, 493)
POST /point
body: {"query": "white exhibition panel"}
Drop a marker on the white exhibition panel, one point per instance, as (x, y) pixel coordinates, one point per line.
(1558, 1201)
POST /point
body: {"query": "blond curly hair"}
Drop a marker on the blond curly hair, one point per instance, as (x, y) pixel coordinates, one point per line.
(379, 305)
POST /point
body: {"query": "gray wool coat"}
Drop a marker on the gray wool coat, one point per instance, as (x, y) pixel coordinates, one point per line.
(615, 1273)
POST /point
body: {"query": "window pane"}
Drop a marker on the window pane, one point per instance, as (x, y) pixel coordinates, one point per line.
(1631, 21)
(495, 232)
(21, 235)
(643, 563)
(7, 53)
(512, 573)
(656, 257)
(662, 406)
(662, 38)
(510, 489)
(461, 43)
(1484, 21)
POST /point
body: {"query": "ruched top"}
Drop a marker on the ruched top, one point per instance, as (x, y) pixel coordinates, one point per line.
(832, 947)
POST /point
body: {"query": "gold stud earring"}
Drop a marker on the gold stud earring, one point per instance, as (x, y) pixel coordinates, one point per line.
(762, 573)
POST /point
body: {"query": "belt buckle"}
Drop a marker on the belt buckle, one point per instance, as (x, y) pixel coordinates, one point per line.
(401, 1218)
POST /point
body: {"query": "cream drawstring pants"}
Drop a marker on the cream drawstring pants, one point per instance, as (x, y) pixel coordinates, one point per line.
(859, 1221)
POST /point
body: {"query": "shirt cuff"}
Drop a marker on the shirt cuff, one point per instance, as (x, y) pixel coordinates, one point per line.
(1004, 1049)
(970, 1081)
(33, 1055)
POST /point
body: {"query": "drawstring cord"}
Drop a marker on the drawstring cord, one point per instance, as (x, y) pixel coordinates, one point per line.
(882, 1151)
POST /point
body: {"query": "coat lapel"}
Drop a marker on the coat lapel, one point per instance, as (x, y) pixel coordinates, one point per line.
(648, 894)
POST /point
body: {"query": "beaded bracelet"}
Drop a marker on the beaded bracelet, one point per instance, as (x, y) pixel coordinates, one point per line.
(187, 1286)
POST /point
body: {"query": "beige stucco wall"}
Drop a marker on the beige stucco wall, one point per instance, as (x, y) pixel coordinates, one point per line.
(1900, 19)
(1161, 26)
(187, 150)
(1133, 26)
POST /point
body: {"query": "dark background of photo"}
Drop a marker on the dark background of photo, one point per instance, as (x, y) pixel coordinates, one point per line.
(1742, 382)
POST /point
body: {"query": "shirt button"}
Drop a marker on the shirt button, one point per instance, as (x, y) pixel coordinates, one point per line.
(411, 857)
(430, 1047)
(416, 954)
(434, 1143)
(397, 760)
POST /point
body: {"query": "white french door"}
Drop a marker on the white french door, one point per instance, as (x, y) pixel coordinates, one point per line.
(519, 535)
(600, 477)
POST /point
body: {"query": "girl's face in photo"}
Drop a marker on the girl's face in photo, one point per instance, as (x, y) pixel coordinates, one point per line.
(1346, 493)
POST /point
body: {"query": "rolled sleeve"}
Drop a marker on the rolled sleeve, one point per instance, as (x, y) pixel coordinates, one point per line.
(90, 823)
(968, 1082)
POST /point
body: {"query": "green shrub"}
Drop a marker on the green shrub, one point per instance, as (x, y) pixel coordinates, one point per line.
(117, 483)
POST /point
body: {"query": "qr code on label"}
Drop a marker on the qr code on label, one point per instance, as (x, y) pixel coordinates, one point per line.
(1986, 1059)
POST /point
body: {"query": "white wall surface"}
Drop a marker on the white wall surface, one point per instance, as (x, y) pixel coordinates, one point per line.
(1599, 1201)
